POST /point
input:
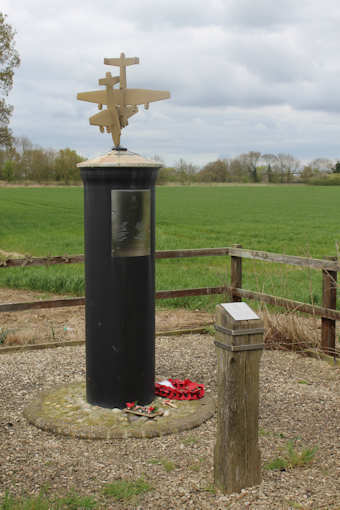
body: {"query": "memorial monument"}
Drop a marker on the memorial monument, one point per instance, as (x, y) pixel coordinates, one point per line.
(119, 252)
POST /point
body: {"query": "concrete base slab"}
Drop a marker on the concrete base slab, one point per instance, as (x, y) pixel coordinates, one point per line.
(64, 411)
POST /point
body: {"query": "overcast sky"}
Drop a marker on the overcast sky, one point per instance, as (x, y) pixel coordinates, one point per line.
(244, 75)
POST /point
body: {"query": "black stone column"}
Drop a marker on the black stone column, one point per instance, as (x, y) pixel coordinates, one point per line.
(119, 216)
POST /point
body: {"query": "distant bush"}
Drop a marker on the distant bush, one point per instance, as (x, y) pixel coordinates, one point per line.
(327, 180)
(167, 175)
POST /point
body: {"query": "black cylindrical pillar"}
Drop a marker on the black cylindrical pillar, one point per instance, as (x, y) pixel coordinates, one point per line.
(119, 210)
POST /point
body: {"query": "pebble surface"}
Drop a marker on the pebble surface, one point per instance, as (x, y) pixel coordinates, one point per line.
(299, 402)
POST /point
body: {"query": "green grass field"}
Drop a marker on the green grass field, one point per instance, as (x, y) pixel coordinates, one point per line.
(296, 220)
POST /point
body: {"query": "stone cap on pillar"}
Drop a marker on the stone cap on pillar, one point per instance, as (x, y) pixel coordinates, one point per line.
(119, 158)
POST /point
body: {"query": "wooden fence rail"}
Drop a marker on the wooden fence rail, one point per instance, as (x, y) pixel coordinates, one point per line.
(235, 251)
(329, 268)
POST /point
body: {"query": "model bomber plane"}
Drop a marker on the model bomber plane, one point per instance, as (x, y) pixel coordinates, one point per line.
(121, 103)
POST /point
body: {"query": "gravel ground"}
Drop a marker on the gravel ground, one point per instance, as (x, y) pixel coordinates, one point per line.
(299, 402)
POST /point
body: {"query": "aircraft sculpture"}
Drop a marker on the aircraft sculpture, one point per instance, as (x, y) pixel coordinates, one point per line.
(121, 103)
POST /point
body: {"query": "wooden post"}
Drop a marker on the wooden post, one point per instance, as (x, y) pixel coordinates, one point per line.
(236, 274)
(239, 345)
(328, 326)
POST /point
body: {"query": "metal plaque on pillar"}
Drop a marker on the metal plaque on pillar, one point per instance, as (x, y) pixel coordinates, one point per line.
(131, 223)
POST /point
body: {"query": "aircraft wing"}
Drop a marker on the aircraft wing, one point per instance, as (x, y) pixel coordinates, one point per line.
(130, 96)
(108, 117)
(141, 96)
(100, 96)
(103, 118)
(95, 96)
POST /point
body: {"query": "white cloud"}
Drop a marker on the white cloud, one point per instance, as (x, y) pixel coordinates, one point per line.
(243, 75)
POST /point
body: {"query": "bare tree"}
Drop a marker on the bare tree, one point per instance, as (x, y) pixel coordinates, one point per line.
(159, 160)
(185, 171)
(250, 161)
(238, 173)
(288, 166)
(322, 165)
(271, 163)
(24, 148)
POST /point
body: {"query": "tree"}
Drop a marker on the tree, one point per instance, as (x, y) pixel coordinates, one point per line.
(216, 171)
(8, 170)
(186, 171)
(336, 169)
(24, 148)
(159, 160)
(250, 161)
(270, 161)
(166, 174)
(9, 60)
(307, 173)
(323, 165)
(237, 171)
(42, 170)
(66, 166)
(288, 166)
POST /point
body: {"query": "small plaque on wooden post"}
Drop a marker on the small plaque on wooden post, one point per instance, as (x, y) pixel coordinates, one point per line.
(239, 345)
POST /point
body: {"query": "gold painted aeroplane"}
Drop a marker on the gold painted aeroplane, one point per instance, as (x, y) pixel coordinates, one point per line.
(121, 103)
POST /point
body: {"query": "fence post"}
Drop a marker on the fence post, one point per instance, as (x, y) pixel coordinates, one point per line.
(328, 326)
(236, 274)
(239, 345)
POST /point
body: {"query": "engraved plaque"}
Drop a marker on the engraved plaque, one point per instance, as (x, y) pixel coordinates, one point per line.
(131, 223)
(240, 311)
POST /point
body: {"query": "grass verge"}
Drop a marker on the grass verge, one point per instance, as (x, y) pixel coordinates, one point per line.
(118, 490)
(126, 489)
(291, 458)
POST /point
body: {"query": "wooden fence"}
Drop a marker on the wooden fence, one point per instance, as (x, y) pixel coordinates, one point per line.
(329, 268)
